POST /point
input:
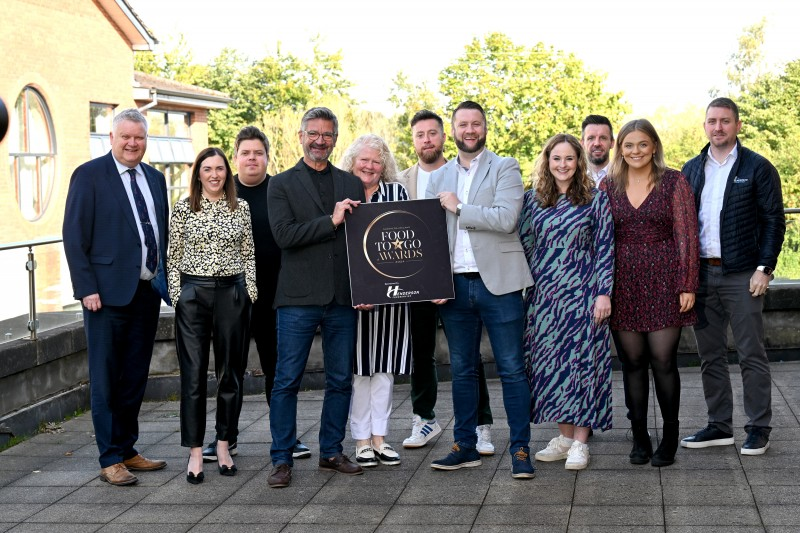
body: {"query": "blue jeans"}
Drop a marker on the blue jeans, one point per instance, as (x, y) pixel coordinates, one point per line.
(297, 326)
(472, 308)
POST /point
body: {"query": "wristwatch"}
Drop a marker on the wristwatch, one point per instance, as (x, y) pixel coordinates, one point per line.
(458, 209)
(766, 270)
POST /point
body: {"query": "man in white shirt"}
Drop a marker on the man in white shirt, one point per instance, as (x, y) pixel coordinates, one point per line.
(427, 133)
(597, 138)
(742, 226)
(482, 194)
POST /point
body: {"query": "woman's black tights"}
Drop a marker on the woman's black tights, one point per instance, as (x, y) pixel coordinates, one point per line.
(658, 350)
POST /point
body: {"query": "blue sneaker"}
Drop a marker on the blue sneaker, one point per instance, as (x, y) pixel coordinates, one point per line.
(210, 451)
(521, 467)
(458, 458)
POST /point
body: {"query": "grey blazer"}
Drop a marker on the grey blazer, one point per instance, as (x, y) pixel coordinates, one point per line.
(490, 214)
(314, 267)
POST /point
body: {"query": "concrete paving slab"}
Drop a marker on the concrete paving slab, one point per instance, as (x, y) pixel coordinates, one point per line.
(50, 481)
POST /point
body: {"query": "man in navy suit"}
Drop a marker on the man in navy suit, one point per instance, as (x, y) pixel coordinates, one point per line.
(115, 241)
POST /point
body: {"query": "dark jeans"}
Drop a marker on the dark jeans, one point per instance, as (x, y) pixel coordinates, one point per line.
(503, 315)
(211, 309)
(297, 326)
(424, 380)
(119, 340)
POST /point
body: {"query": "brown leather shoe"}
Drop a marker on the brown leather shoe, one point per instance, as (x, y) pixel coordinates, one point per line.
(117, 475)
(141, 463)
(340, 463)
(280, 476)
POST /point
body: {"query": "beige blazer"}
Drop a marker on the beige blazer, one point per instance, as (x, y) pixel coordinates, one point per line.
(408, 178)
(491, 215)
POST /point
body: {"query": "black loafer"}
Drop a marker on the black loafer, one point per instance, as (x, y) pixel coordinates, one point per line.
(195, 479)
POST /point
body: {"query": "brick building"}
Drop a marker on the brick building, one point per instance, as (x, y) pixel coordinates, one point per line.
(67, 66)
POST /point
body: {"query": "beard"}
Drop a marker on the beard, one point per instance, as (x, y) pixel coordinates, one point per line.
(480, 142)
(431, 155)
(599, 161)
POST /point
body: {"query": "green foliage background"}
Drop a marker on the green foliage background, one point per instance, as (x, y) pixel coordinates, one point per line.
(529, 92)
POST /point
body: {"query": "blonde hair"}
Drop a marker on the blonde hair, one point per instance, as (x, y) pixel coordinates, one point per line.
(619, 167)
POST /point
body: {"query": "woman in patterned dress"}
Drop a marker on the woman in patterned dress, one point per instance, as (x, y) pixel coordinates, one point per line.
(383, 345)
(211, 271)
(655, 282)
(567, 233)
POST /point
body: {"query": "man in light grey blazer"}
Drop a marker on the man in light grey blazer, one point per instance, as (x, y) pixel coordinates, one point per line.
(482, 194)
(428, 136)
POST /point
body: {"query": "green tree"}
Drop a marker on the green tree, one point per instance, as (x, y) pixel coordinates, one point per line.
(175, 63)
(681, 134)
(529, 93)
(408, 98)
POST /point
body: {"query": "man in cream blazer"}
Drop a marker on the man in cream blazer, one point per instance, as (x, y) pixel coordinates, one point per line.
(482, 194)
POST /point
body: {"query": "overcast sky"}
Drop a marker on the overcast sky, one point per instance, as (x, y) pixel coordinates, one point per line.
(659, 56)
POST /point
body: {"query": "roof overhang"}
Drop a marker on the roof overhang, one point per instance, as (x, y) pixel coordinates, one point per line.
(128, 23)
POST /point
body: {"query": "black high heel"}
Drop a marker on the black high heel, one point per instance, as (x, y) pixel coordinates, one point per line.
(194, 479)
(226, 470)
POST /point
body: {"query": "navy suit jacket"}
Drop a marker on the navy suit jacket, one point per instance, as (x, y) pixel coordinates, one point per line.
(101, 240)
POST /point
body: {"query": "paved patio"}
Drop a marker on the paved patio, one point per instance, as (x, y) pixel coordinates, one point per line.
(49, 483)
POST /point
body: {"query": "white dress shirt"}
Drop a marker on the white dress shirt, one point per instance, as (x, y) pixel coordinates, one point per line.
(716, 173)
(463, 257)
(141, 181)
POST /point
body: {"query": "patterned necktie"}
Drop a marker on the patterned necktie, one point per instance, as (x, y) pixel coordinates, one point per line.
(144, 218)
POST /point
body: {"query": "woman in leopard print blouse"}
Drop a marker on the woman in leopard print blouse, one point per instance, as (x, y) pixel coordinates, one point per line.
(212, 282)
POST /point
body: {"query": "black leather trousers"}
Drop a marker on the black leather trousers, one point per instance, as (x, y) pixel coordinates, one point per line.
(211, 309)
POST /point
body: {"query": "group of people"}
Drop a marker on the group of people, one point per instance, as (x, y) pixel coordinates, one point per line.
(600, 248)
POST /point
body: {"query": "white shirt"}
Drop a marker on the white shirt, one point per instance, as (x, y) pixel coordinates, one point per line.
(141, 181)
(423, 178)
(463, 258)
(711, 198)
(599, 175)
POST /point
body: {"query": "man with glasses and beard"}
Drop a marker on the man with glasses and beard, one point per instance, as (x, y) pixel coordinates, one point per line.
(307, 205)
(428, 136)
(482, 194)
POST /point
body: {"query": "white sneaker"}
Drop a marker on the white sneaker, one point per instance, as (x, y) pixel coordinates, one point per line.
(578, 456)
(365, 456)
(484, 444)
(557, 449)
(421, 432)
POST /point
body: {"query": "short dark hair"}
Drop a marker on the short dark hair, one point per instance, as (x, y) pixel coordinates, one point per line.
(598, 120)
(426, 114)
(468, 104)
(320, 113)
(250, 133)
(727, 103)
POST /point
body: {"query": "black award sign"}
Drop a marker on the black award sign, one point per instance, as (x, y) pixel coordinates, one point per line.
(398, 252)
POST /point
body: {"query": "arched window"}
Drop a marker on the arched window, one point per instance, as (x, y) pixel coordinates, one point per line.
(32, 153)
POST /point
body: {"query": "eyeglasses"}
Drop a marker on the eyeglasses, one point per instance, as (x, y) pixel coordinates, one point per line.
(314, 135)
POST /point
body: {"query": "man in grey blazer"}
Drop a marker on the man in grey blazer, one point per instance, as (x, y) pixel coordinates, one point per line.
(306, 206)
(428, 136)
(482, 194)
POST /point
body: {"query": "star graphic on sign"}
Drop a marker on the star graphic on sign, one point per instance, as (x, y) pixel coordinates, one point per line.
(398, 244)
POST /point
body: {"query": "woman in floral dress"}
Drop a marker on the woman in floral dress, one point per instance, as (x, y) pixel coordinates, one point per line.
(656, 279)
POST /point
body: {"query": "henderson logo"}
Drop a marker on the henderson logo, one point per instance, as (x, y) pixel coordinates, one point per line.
(394, 291)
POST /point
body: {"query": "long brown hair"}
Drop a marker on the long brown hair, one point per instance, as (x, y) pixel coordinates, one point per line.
(196, 188)
(579, 191)
(619, 168)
